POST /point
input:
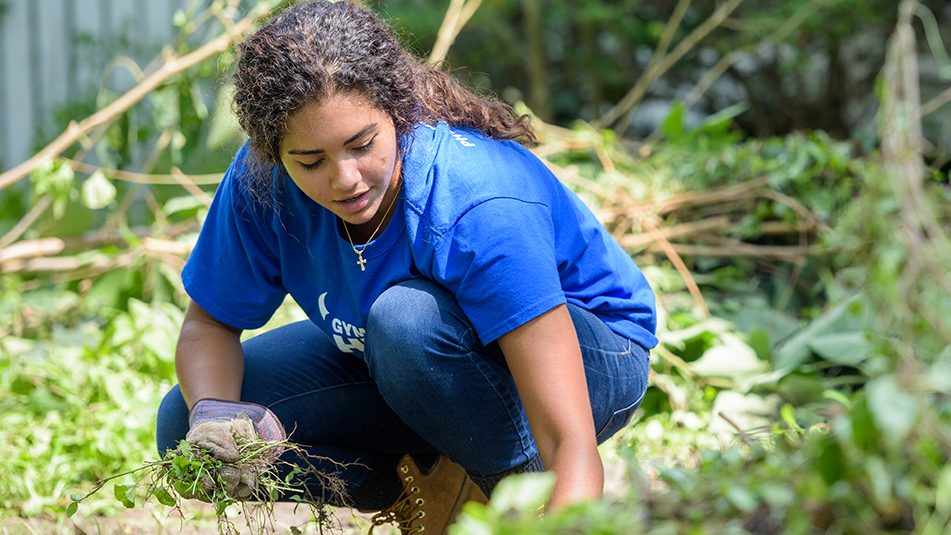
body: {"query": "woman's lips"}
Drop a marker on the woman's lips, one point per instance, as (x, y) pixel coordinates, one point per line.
(352, 205)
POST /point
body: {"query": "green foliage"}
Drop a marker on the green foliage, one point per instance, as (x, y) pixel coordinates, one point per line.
(78, 386)
(835, 477)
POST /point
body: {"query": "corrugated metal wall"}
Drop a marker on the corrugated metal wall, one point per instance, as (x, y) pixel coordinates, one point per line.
(54, 51)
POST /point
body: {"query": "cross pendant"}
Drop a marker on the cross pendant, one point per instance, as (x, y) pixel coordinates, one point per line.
(361, 262)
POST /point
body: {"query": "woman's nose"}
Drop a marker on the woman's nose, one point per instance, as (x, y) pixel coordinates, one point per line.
(347, 174)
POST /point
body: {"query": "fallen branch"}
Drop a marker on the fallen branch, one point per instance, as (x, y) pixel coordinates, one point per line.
(32, 249)
(458, 14)
(144, 178)
(682, 230)
(681, 267)
(100, 263)
(743, 190)
(24, 223)
(39, 255)
(190, 186)
(35, 256)
(781, 252)
(936, 103)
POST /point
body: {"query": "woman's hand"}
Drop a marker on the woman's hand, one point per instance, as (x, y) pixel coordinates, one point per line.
(545, 360)
(221, 427)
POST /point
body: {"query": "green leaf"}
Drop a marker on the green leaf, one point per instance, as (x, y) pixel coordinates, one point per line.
(718, 123)
(844, 348)
(880, 479)
(830, 462)
(943, 493)
(940, 375)
(731, 358)
(71, 509)
(125, 494)
(98, 191)
(673, 125)
(788, 414)
(220, 506)
(523, 493)
(475, 519)
(182, 204)
(796, 349)
(180, 465)
(164, 497)
(179, 19)
(758, 339)
(295, 530)
(837, 396)
(865, 433)
(741, 498)
(895, 410)
(55, 178)
(183, 488)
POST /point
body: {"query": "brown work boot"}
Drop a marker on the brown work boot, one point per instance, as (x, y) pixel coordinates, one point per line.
(429, 501)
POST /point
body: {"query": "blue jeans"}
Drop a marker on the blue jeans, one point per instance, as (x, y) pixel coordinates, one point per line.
(425, 386)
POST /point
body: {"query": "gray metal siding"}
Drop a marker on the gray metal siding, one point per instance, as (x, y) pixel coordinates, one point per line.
(44, 66)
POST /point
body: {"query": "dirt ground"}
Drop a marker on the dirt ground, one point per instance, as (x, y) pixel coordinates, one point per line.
(200, 518)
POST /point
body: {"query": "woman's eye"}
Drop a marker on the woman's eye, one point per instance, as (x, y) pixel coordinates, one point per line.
(366, 147)
(312, 166)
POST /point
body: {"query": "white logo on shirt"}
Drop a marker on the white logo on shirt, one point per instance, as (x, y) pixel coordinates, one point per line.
(462, 140)
(348, 337)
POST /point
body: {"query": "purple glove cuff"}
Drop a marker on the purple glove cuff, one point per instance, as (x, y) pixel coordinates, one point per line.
(267, 425)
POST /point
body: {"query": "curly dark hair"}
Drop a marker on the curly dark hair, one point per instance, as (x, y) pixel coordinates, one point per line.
(317, 48)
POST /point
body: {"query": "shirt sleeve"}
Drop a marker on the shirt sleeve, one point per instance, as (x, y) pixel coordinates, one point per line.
(499, 261)
(234, 270)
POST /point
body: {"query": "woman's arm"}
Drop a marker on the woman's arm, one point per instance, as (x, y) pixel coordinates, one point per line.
(545, 360)
(209, 361)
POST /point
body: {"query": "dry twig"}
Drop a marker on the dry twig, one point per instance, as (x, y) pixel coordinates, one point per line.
(458, 14)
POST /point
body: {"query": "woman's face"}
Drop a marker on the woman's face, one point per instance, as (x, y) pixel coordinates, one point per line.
(342, 152)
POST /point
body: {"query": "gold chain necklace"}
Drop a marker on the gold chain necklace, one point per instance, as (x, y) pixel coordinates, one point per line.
(360, 260)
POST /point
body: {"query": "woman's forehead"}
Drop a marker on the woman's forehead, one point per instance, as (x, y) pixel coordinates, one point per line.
(337, 119)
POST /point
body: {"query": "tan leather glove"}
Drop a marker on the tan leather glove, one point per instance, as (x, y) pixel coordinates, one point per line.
(219, 427)
(220, 437)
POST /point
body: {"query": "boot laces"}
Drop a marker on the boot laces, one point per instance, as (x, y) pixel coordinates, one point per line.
(406, 512)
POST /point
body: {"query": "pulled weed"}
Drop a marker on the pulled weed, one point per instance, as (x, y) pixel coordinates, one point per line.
(190, 472)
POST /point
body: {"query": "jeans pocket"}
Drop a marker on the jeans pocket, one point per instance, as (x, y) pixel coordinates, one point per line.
(617, 421)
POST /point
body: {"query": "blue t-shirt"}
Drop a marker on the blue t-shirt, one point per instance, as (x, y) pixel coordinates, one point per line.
(483, 218)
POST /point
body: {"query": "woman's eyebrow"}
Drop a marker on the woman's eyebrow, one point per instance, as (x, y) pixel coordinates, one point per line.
(363, 131)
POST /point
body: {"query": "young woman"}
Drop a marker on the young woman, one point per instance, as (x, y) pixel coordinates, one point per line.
(464, 305)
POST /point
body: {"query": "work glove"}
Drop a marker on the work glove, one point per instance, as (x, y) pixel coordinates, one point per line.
(218, 426)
